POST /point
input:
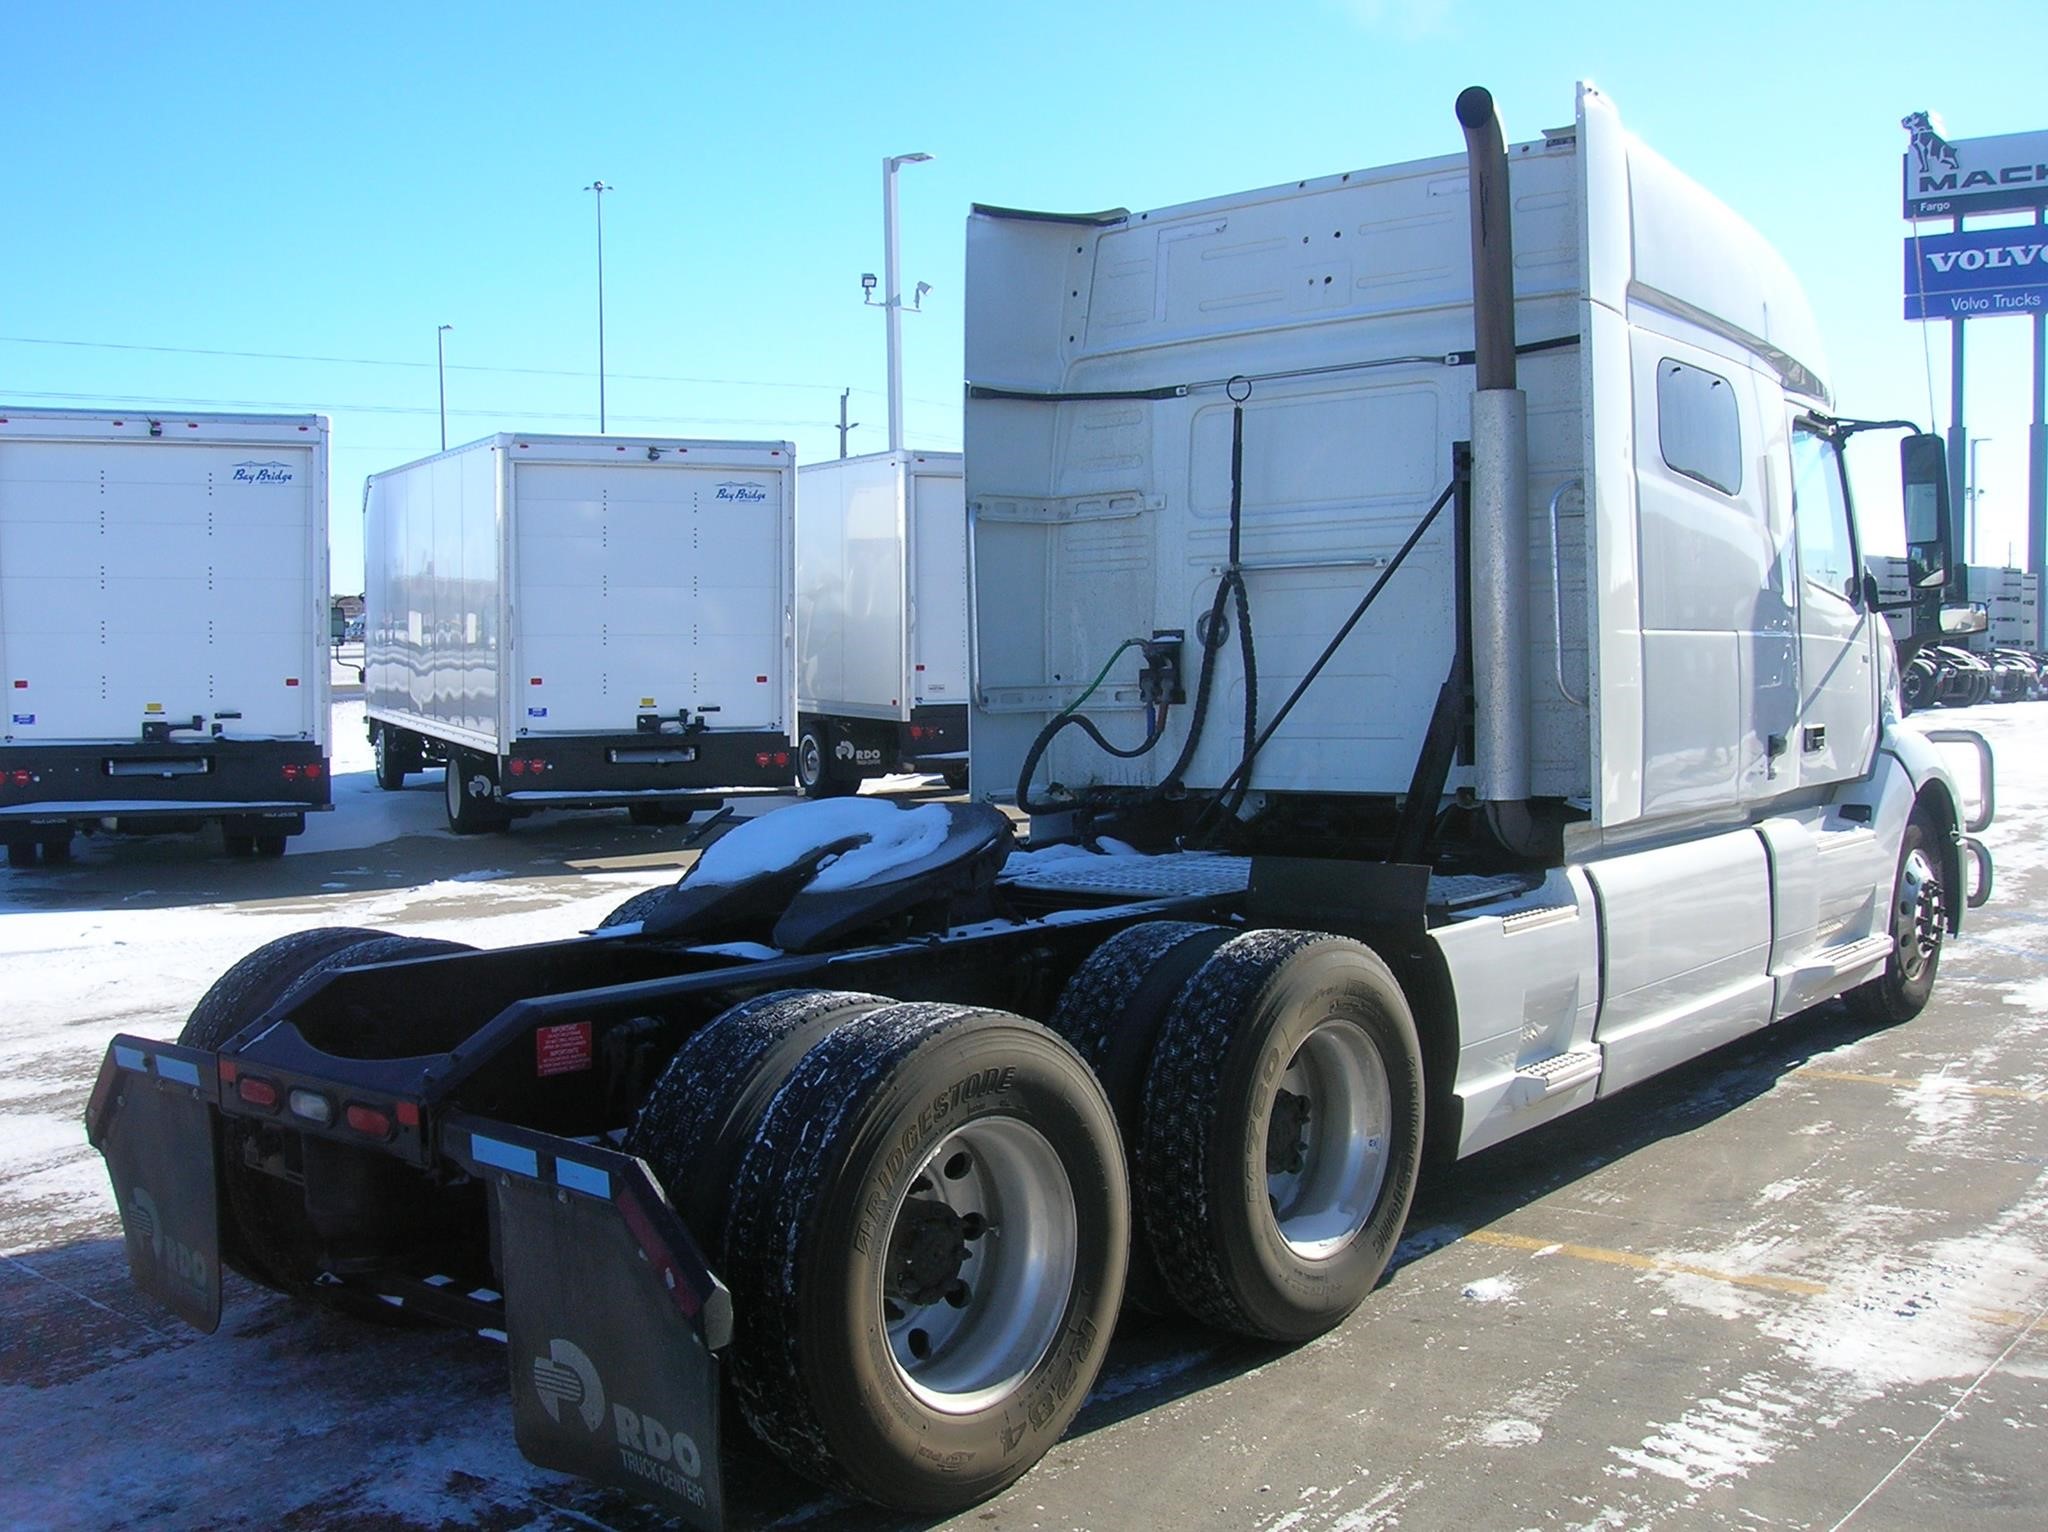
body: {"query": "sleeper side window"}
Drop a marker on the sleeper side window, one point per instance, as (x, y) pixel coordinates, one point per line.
(1698, 427)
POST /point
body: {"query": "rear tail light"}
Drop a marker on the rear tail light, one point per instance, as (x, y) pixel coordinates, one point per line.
(315, 770)
(20, 778)
(291, 771)
(782, 757)
(262, 1093)
(312, 1106)
(409, 1114)
(527, 765)
(370, 1121)
(762, 759)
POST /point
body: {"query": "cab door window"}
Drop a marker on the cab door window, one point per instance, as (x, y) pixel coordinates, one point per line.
(1820, 510)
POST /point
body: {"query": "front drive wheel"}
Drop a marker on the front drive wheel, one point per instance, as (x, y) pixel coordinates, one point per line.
(926, 1242)
(1282, 1133)
(1919, 921)
(396, 755)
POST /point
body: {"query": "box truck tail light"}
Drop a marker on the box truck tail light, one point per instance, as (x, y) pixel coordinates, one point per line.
(310, 772)
(527, 766)
(20, 778)
(768, 758)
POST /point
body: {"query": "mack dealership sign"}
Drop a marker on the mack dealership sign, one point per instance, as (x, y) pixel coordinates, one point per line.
(1977, 274)
(1945, 179)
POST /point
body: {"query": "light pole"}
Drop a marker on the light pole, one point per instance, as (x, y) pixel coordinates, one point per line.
(600, 188)
(441, 371)
(892, 293)
(1972, 496)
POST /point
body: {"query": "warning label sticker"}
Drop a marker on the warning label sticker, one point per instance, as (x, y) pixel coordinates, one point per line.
(561, 1050)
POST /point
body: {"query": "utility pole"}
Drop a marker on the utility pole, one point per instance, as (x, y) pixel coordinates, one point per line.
(441, 370)
(845, 425)
(1973, 493)
(2037, 457)
(600, 188)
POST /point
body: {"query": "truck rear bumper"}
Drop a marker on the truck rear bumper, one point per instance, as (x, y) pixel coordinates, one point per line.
(52, 785)
(611, 1315)
(623, 769)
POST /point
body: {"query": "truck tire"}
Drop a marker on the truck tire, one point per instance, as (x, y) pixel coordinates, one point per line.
(265, 1234)
(57, 848)
(956, 777)
(1111, 1011)
(469, 812)
(1282, 1133)
(271, 843)
(634, 910)
(1919, 921)
(706, 1108)
(884, 1347)
(397, 755)
(815, 777)
(237, 843)
(660, 814)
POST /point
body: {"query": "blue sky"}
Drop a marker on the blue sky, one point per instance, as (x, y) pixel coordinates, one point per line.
(336, 182)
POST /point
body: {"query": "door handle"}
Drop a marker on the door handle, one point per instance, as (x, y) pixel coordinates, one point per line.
(1815, 738)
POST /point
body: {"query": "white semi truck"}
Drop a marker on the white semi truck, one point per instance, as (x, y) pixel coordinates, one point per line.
(581, 621)
(1459, 659)
(163, 626)
(881, 620)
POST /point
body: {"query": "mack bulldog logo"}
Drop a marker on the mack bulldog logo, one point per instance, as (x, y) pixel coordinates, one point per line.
(263, 473)
(1928, 144)
(566, 1376)
(1948, 177)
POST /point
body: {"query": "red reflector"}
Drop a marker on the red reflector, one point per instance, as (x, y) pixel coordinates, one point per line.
(228, 1071)
(760, 680)
(313, 770)
(291, 680)
(256, 1092)
(409, 1114)
(534, 682)
(367, 1120)
(518, 766)
(920, 667)
(193, 425)
(782, 757)
(21, 686)
(917, 731)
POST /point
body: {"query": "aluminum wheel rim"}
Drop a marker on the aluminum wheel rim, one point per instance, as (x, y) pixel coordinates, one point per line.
(1017, 1246)
(810, 759)
(1329, 1138)
(1918, 922)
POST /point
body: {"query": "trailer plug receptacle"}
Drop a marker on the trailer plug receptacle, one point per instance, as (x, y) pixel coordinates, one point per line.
(1159, 682)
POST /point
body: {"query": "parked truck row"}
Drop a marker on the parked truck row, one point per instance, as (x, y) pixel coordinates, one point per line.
(551, 621)
(863, 1132)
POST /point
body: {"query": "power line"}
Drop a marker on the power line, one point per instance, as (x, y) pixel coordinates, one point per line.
(155, 401)
(375, 361)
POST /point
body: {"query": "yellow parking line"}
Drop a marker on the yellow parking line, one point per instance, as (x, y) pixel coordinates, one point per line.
(1914, 1082)
(2006, 1319)
(1797, 1285)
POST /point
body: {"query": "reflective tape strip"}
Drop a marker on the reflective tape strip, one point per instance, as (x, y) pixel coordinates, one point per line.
(179, 1070)
(131, 1058)
(489, 1151)
(579, 1177)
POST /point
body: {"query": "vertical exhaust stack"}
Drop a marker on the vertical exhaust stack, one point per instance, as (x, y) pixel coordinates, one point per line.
(1500, 479)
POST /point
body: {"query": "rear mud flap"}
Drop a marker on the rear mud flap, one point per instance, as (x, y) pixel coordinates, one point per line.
(151, 1115)
(612, 1318)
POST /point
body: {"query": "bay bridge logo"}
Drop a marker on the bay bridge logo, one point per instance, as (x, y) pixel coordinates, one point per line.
(734, 492)
(263, 473)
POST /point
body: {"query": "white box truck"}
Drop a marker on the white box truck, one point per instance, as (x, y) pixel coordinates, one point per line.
(581, 621)
(900, 1116)
(163, 626)
(881, 620)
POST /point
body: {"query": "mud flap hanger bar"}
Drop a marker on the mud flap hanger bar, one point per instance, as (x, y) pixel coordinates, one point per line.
(612, 1317)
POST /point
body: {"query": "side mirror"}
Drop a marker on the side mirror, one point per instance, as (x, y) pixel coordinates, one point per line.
(1964, 619)
(1923, 486)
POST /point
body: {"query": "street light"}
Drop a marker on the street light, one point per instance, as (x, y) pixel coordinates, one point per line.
(892, 292)
(1971, 494)
(600, 188)
(441, 371)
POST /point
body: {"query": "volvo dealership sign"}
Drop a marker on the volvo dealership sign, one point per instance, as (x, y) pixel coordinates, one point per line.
(1947, 178)
(1977, 273)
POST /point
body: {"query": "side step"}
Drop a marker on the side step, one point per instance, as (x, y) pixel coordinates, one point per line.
(1553, 1076)
(1839, 962)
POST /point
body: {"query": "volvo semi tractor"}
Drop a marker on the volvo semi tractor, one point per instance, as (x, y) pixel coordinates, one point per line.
(881, 620)
(581, 622)
(163, 626)
(1417, 610)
